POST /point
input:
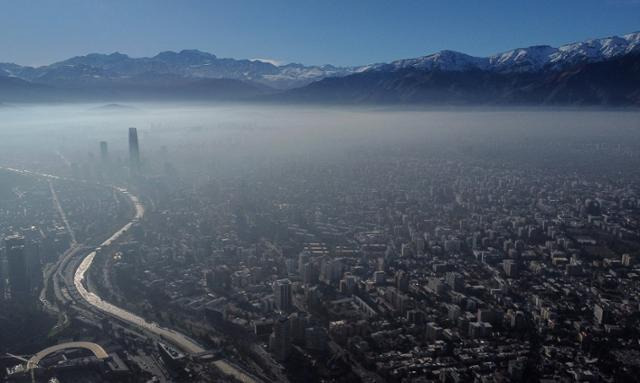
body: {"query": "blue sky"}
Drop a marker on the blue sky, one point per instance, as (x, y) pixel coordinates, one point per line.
(342, 32)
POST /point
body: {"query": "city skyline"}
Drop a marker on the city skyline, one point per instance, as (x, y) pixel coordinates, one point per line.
(456, 198)
(347, 251)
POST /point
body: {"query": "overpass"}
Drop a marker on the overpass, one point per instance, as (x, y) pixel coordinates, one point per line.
(176, 338)
(96, 349)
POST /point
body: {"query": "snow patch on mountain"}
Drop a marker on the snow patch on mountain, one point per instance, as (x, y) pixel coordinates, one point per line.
(522, 59)
(195, 64)
(529, 59)
(443, 60)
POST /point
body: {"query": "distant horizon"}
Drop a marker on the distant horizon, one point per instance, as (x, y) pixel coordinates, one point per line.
(281, 63)
(350, 33)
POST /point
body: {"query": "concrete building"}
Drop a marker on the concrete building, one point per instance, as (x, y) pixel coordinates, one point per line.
(280, 339)
(282, 294)
(134, 149)
(17, 265)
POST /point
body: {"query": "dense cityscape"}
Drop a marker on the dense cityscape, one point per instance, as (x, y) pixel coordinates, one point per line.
(361, 191)
(413, 259)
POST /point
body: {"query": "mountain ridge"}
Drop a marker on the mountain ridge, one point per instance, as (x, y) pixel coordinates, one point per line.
(194, 74)
(198, 64)
(529, 59)
(614, 82)
(188, 63)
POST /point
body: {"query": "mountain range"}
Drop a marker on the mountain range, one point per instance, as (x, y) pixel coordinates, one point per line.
(594, 72)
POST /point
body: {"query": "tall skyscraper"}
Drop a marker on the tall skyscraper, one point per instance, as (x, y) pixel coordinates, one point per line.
(402, 281)
(282, 292)
(134, 148)
(17, 266)
(33, 253)
(280, 339)
(104, 152)
(2, 277)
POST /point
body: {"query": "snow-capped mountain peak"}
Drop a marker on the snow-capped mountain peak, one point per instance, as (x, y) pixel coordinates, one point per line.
(633, 40)
(590, 50)
(443, 60)
(522, 59)
(195, 64)
(528, 59)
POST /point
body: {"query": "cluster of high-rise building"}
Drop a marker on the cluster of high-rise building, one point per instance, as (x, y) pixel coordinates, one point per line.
(395, 266)
(446, 270)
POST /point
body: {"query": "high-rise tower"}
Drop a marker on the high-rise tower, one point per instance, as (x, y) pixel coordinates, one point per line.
(2, 279)
(134, 149)
(280, 339)
(104, 152)
(282, 292)
(17, 266)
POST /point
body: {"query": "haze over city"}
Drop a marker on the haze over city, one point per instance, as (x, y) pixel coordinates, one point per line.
(416, 191)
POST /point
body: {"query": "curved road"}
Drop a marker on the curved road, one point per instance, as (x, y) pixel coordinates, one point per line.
(177, 339)
(96, 349)
(182, 341)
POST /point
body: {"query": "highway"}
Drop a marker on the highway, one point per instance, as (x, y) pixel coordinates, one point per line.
(181, 341)
(177, 339)
(54, 270)
(63, 271)
(63, 216)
